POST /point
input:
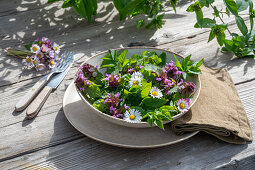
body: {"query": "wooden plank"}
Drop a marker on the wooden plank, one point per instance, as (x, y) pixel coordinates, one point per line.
(86, 154)
(51, 128)
(81, 37)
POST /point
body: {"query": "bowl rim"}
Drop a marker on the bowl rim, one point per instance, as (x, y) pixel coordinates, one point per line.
(136, 47)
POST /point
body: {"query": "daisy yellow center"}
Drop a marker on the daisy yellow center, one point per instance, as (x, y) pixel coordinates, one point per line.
(56, 48)
(34, 48)
(154, 93)
(136, 82)
(38, 66)
(182, 105)
(51, 62)
(28, 60)
(132, 117)
(34, 62)
(38, 55)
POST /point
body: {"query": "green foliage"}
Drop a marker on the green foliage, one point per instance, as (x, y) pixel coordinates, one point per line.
(99, 104)
(240, 45)
(151, 8)
(188, 67)
(131, 82)
(157, 116)
(93, 91)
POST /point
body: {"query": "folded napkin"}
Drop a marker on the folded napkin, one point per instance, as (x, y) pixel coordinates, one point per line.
(218, 110)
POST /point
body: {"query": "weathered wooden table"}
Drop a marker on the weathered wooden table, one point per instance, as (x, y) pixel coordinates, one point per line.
(49, 141)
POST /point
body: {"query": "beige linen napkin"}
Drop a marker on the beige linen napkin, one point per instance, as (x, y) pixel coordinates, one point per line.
(218, 110)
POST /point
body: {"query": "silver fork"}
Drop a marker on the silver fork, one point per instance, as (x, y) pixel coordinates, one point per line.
(62, 64)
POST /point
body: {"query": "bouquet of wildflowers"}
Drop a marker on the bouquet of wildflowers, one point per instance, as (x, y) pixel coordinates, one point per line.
(141, 88)
(42, 54)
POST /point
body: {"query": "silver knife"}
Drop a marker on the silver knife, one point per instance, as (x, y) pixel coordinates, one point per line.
(38, 102)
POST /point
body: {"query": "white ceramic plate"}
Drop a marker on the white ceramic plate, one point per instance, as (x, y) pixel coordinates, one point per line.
(83, 118)
(96, 60)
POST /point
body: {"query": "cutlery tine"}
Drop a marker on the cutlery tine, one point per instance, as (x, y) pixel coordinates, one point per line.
(61, 59)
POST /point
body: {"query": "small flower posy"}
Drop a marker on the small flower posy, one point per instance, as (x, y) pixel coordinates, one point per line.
(136, 89)
(44, 55)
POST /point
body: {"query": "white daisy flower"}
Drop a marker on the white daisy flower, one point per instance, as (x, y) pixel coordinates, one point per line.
(132, 115)
(137, 74)
(183, 105)
(156, 93)
(56, 48)
(35, 60)
(136, 79)
(35, 48)
(45, 48)
(52, 64)
(28, 61)
(39, 55)
(39, 67)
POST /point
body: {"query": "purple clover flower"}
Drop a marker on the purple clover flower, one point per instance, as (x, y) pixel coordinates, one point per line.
(87, 69)
(188, 87)
(126, 106)
(172, 70)
(81, 81)
(113, 80)
(131, 70)
(112, 100)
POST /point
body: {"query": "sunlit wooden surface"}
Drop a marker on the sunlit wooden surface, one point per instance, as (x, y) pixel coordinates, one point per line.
(49, 141)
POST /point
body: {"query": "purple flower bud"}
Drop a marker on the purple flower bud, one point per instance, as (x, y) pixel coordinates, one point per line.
(112, 110)
(180, 83)
(158, 79)
(113, 80)
(87, 69)
(131, 70)
(126, 106)
(188, 87)
(117, 94)
(81, 81)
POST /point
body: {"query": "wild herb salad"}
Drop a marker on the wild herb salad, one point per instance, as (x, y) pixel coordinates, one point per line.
(141, 88)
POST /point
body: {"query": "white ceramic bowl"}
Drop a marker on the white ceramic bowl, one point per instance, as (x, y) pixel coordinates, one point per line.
(96, 60)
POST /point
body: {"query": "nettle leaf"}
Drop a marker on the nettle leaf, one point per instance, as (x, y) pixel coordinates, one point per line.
(231, 6)
(154, 102)
(185, 62)
(242, 5)
(146, 90)
(200, 63)
(93, 91)
(125, 62)
(162, 56)
(194, 70)
(99, 105)
(122, 56)
(159, 123)
(241, 25)
(177, 63)
(151, 67)
(148, 75)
